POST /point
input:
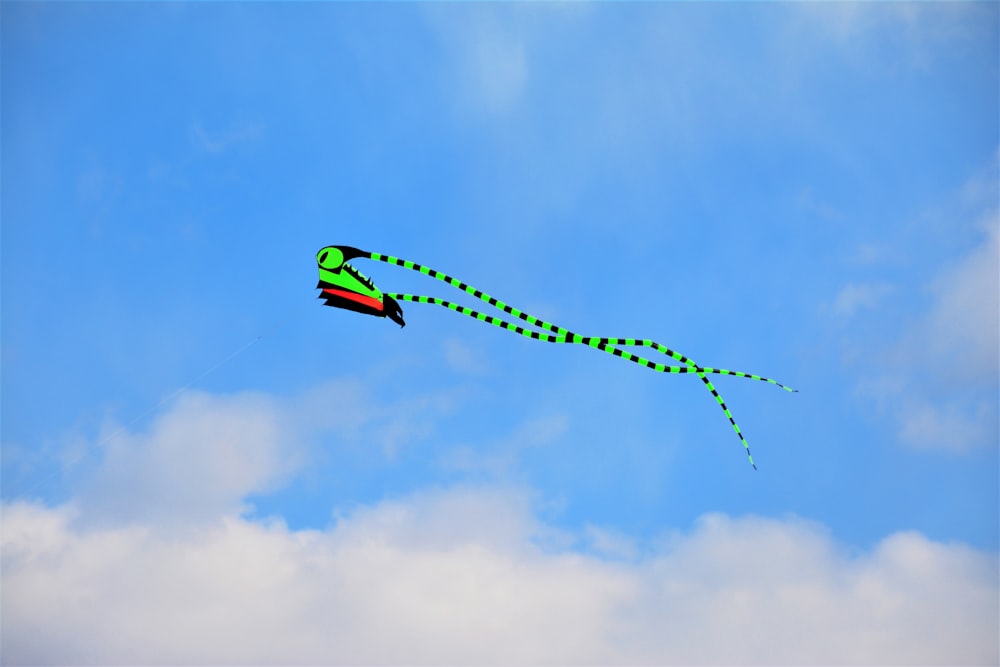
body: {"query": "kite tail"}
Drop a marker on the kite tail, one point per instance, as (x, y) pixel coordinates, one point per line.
(563, 335)
(608, 345)
(479, 294)
(605, 344)
(602, 343)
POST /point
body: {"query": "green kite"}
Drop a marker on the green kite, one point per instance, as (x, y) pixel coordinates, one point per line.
(343, 286)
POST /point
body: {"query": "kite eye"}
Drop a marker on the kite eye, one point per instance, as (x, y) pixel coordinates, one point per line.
(330, 258)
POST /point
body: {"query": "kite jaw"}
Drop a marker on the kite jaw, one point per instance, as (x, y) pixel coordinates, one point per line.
(384, 306)
(392, 310)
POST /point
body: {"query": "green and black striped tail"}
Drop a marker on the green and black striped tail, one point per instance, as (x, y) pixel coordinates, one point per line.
(552, 333)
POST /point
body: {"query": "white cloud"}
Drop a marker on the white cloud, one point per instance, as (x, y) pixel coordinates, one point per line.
(493, 54)
(566, 112)
(499, 456)
(952, 402)
(350, 409)
(955, 423)
(963, 329)
(939, 376)
(948, 381)
(859, 296)
(609, 543)
(464, 576)
(199, 460)
(915, 30)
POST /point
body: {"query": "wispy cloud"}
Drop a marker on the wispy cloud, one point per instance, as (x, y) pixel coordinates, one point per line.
(217, 142)
(916, 30)
(179, 168)
(961, 329)
(937, 374)
(428, 579)
(950, 363)
(854, 297)
(493, 47)
(500, 456)
(462, 358)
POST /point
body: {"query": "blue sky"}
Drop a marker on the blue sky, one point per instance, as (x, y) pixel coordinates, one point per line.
(804, 191)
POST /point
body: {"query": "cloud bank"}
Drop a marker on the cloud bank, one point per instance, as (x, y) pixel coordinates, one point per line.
(157, 562)
(473, 576)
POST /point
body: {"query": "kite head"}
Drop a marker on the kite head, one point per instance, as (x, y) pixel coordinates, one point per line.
(343, 286)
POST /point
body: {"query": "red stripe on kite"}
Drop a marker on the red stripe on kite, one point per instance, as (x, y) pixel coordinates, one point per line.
(358, 298)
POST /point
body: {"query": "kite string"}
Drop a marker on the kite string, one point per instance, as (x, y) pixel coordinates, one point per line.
(163, 401)
(180, 390)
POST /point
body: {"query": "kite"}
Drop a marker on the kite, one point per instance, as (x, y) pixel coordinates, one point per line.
(343, 286)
